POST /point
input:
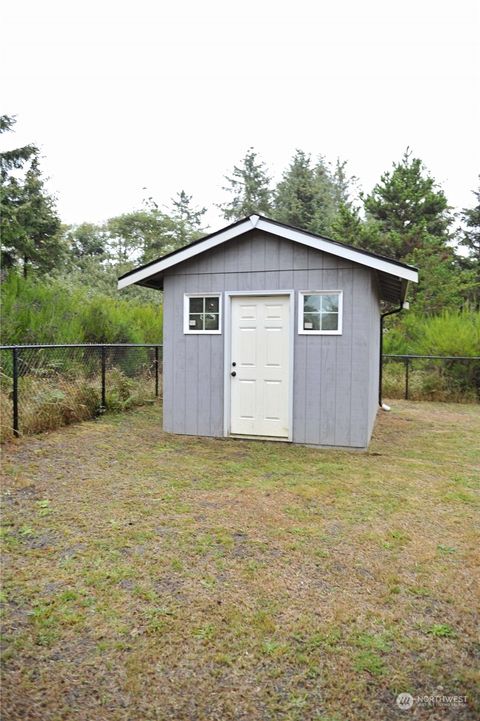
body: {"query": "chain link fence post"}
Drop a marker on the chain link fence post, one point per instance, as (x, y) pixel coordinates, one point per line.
(407, 372)
(16, 429)
(104, 374)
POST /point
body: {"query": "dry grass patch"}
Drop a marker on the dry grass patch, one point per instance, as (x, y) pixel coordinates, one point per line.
(149, 576)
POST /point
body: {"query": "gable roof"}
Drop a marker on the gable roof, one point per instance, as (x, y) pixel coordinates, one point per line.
(393, 275)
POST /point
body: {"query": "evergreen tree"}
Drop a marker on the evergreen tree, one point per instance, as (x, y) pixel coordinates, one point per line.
(442, 284)
(29, 224)
(187, 219)
(470, 239)
(343, 185)
(471, 234)
(408, 219)
(349, 227)
(409, 209)
(249, 187)
(295, 194)
(13, 159)
(310, 196)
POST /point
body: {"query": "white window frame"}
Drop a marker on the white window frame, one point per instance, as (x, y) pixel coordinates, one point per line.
(186, 313)
(301, 296)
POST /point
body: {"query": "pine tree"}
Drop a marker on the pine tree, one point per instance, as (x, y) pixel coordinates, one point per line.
(408, 208)
(408, 219)
(470, 239)
(29, 224)
(311, 196)
(249, 187)
(349, 227)
(295, 194)
(187, 219)
(471, 234)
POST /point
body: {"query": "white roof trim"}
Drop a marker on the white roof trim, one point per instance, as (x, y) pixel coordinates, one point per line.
(254, 221)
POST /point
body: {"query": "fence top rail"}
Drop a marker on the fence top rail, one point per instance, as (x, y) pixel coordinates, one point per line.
(433, 357)
(82, 345)
(160, 345)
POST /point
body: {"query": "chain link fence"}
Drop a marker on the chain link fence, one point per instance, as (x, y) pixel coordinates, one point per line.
(432, 378)
(43, 387)
(46, 386)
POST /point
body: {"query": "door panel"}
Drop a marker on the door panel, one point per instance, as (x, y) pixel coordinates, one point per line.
(261, 354)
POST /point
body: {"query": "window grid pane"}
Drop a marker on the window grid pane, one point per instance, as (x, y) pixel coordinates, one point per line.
(203, 314)
(311, 303)
(321, 312)
(329, 321)
(196, 321)
(197, 305)
(211, 305)
(211, 321)
(311, 321)
(329, 303)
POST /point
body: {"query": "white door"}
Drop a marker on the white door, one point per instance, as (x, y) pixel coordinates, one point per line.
(260, 365)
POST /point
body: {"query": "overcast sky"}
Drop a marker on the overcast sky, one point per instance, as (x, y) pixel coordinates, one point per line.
(169, 95)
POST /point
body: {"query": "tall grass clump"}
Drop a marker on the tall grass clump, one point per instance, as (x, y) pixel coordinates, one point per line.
(47, 403)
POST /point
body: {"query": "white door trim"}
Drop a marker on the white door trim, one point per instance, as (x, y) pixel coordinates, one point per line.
(227, 325)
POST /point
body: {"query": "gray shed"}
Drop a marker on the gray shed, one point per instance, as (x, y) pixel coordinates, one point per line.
(273, 332)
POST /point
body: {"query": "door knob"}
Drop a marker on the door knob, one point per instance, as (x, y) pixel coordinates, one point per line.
(233, 373)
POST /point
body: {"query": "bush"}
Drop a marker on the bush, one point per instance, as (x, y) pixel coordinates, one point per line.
(451, 333)
(52, 311)
(448, 334)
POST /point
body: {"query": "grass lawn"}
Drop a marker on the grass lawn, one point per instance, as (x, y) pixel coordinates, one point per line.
(150, 577)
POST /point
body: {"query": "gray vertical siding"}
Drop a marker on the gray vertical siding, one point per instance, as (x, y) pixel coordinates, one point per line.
(374, 353)
(335, 377)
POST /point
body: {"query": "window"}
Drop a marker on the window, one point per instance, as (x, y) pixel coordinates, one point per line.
(320, 312)
(202, 314)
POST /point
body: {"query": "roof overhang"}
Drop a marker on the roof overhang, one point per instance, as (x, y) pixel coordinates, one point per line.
(393, 275)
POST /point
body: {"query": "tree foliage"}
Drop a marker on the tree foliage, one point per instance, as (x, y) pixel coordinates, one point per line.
(86, 241)
(187, 219)
(406, 216)
(249, 188)
(408, 208)
(29, 223)
(470, 239)
(310, 196)
(296, 195)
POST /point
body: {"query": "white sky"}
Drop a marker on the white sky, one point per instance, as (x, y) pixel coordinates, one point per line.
(169, 95)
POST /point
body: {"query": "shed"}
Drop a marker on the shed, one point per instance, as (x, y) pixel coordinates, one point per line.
(273, 332)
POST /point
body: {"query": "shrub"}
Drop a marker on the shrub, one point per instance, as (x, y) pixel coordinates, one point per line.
(448, 334)
(52, 311)
(451, 333)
